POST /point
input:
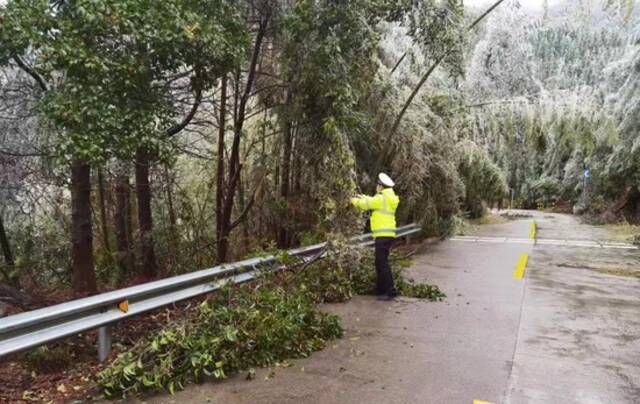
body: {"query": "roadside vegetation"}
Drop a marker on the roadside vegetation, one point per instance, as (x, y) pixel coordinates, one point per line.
(624, 231)
(471, 226)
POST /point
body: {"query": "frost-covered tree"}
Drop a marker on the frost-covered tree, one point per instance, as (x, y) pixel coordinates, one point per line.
(555, 95)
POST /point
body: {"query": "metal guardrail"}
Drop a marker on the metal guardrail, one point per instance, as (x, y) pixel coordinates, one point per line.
(33, 328)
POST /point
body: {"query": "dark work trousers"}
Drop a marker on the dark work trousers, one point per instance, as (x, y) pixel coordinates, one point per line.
(384, 282)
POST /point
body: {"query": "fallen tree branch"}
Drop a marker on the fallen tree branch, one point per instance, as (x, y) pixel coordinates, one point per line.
(321, 254)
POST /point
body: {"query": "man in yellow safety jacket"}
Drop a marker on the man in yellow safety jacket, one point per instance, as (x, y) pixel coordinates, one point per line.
(383, 226)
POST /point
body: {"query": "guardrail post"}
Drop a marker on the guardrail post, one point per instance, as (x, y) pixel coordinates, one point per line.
(104, 342)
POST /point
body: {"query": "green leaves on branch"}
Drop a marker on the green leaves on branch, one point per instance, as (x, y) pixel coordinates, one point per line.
(110, 64)
(327, 55)
(350, 271)
(238, 329)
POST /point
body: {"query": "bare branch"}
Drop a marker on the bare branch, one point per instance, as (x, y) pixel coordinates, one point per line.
(435, 64)
(247, 208)
(31, 72)
(178, 127)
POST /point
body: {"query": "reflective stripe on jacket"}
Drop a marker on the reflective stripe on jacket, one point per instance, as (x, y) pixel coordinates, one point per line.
(383, 217)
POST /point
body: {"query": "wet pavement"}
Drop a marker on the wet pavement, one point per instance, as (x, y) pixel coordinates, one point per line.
(579, 338)
(568, 332)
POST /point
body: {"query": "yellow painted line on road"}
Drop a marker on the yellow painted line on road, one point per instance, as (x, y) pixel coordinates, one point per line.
(532, 232)
(520, 266)
(481, 402)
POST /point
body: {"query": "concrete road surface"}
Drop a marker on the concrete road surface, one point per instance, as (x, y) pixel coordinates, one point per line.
(567, 332)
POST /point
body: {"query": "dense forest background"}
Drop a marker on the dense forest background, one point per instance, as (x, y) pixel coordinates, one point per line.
(141, 139)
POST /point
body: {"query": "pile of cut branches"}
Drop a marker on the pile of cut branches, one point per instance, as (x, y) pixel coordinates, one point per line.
(237, 329)
(257, 324)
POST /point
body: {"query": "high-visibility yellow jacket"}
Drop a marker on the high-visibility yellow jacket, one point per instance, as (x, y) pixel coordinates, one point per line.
(383, 206)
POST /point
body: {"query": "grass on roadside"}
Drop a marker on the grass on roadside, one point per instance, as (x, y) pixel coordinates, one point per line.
(623, 231)
(465, 227)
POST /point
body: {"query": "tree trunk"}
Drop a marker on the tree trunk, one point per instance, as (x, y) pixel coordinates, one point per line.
(103, 215)
(172, 212)
(234, 159)
(297, 164)
(145, 223)
(173, 231)
(84, 276)
(8, 256)
(123, 224)
(242, 204)
(284, 184)
(221, 236)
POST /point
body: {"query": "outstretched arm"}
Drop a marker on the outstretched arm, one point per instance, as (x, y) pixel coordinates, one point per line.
(364, 202)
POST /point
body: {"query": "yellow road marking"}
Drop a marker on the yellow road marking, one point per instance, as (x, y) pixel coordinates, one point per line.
(532, 232)
(481, 402)
(520, 266)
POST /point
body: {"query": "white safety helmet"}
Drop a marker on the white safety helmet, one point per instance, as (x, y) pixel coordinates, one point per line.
(385, 180)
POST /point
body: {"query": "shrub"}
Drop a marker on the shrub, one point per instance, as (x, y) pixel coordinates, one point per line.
(546, 191)
(49, 359)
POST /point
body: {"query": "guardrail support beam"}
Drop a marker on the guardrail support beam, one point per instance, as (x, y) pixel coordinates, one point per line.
(104, 342)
